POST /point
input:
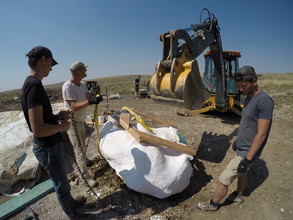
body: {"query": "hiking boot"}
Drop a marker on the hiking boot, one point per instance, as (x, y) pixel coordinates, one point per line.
(234, 197)
(207, 206)
(80, 200)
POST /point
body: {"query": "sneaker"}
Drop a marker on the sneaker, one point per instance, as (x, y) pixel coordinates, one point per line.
(234, 197)
(207, 206)
(80, 200)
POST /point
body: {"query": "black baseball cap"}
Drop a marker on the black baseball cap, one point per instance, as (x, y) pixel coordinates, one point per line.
(39, 51)
(246, 73)
(246, 70)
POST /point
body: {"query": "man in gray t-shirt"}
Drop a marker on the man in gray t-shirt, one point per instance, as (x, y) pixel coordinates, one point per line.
(252, 136)
(258, 107)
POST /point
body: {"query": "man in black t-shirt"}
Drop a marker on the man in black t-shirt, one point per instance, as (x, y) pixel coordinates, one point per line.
(47, 127)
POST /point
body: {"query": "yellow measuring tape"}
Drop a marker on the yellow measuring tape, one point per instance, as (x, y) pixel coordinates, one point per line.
(138, 118)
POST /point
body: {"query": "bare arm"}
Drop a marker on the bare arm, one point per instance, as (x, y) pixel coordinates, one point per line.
(263, 127)
(77, 106)
(41, 129)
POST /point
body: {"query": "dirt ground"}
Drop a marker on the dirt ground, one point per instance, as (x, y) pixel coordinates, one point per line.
(267, 196)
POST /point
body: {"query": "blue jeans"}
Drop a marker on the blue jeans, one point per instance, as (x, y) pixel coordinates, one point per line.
(52, 159)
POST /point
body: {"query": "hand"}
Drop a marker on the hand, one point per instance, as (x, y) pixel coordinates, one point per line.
(65, 125)
(64, 115)
(96, 100)
(243, 166)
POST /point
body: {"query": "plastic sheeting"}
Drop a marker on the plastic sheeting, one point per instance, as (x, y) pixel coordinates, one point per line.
(154, 170)
(16, 143)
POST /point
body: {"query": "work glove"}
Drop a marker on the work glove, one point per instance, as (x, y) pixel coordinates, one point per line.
(243, 166)
(96, 100)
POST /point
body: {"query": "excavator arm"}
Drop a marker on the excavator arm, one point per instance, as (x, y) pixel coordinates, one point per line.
(177, 75)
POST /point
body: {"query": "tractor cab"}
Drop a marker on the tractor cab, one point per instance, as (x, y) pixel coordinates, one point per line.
(231, 68)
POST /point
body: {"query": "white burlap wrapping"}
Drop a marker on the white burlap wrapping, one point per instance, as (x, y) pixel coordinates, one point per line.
(154, 170)
(16, 142)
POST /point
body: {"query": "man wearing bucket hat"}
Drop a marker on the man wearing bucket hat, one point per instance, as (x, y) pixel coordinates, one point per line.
(46, 129)
(76, 99)
(252, 136)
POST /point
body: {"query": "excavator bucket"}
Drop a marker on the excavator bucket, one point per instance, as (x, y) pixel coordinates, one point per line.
(182, 85)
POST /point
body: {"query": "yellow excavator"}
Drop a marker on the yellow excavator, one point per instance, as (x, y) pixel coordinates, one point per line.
(177, 78)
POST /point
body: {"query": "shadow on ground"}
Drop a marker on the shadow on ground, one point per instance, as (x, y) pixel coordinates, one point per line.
(213, 147)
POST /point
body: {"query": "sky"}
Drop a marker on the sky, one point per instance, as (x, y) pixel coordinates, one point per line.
(121, 37)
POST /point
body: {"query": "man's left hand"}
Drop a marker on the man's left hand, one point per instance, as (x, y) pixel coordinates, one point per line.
(96, 100)
(243, 166)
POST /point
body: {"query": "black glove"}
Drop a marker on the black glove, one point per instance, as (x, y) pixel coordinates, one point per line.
(96, 100)
(243, 166)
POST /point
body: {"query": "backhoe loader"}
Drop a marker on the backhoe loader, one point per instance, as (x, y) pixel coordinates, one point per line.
(177, 77)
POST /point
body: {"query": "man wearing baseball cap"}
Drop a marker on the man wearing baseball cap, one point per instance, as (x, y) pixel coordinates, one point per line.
(252, 136)
(76, 99)
(47, 127)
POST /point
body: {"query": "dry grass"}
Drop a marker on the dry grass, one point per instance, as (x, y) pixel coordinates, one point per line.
(276, 81)
(124, 85)
(279, 86)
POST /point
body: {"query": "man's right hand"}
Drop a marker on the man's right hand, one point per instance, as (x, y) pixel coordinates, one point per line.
(243, 165)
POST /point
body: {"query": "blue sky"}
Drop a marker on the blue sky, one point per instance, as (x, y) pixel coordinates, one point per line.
(121, 37)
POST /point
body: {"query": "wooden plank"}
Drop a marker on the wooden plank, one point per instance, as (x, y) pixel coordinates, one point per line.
(17, 203)
(124, 119)
(130, 130)
(160, 141)
(134, 134)
(138, 119)
(154, 118)
(140, 136)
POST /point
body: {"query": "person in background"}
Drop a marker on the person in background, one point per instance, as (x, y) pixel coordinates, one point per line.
(136, 86)
(47, 127)
(252, 136)
(76, 99)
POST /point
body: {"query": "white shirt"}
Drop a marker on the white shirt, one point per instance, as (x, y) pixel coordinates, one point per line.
(70, 92)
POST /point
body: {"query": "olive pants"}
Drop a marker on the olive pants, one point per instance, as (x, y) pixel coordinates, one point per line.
(79, 146)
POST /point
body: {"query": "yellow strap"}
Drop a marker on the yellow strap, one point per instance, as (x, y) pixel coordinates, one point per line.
(138, 118)
(97, 127)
